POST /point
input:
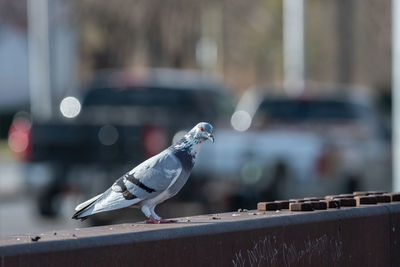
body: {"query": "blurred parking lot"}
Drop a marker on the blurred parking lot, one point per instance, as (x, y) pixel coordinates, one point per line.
(19, 215)
(18, 210)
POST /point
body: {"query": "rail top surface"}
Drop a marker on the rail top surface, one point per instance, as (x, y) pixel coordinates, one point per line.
(199, 225)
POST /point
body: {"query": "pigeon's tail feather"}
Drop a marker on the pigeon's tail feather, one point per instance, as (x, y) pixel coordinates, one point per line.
(87, 202)
(84, 213)
(85, 207)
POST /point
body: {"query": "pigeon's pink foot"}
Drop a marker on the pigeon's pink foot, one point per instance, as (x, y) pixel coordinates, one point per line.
(152, 220)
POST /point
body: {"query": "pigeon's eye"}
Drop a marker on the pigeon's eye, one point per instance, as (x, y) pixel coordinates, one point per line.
(202, 129)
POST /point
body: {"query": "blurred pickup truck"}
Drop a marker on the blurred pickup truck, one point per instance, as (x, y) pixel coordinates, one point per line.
(121, 120)
(286, 147)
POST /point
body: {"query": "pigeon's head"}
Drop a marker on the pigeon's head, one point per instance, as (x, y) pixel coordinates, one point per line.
(203, 131)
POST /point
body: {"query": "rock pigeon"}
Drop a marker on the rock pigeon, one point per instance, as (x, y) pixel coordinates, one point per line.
(153, 181)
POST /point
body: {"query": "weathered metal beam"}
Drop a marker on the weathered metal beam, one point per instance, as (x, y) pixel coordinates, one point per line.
(355, 236)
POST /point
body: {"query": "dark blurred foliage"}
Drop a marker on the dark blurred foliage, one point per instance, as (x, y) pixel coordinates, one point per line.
(13, 12)
(166, 33)
(345, 40)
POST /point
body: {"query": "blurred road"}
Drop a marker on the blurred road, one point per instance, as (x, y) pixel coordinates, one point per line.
(18, 214)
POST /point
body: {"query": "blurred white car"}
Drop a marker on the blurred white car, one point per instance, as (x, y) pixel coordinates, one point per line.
(311, 145)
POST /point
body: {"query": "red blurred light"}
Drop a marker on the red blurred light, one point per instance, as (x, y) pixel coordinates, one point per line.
(19, 138)
(322, 164)
(154, 140)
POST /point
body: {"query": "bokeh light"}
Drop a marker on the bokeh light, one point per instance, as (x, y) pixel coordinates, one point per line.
(241, 120)
(70, 107)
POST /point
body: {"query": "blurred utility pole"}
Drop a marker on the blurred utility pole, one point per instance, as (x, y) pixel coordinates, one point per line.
(39, 59)
(63, 49)
(396, 92)
(345, 44)
(208, 48)
(293, 46)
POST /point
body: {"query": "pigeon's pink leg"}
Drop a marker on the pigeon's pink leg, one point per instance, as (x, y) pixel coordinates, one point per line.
(152, 220)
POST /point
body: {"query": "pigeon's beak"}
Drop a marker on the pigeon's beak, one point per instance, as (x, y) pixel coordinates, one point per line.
(210, 137)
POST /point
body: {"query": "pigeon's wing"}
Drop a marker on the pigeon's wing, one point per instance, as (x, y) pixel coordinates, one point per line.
(151, 177)
(147, 180)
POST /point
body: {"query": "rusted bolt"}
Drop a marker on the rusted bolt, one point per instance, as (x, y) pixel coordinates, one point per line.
(384, 198)
(283, 204)
(319, 205)
(346, 195)
(313, 198)
(365, 200)
(264, 206)
(360, 193)
(330, 197)
(300, 206)
(323, 204)
(296, 200)
(333, 204)
(347, 202)
(395, 196)
(376, 192)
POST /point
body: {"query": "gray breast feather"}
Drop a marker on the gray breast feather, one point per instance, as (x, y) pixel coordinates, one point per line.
(151, 177)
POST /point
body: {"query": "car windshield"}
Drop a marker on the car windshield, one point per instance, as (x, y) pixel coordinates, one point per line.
(309, 110)
(204, 103)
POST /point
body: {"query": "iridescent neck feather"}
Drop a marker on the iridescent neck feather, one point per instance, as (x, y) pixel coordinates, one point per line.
(189, 143)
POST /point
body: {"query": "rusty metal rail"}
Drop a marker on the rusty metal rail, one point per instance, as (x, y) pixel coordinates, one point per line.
(366, 235)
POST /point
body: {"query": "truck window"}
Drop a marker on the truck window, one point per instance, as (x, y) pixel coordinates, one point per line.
(205, 104)
(310, 110)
